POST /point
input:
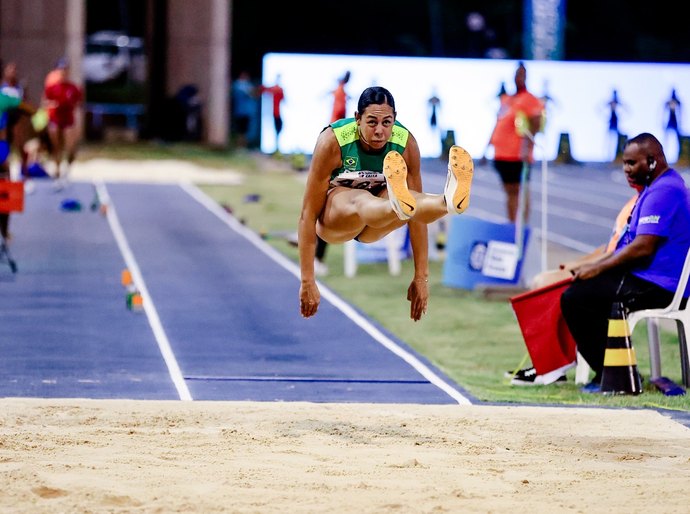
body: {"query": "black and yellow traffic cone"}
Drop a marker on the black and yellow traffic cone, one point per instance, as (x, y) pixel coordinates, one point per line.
(620, 375)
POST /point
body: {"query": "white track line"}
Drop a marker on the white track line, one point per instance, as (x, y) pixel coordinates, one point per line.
(149, 308)
(345, 308)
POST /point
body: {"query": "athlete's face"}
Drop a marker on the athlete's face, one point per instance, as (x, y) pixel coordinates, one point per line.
(375, 125)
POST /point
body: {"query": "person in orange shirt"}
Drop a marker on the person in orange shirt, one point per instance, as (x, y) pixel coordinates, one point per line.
(512, 151)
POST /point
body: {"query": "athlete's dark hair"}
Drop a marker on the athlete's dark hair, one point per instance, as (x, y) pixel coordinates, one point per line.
(375, 95)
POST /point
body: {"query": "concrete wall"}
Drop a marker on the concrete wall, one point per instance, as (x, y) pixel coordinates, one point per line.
(198, 49)
(33, 33)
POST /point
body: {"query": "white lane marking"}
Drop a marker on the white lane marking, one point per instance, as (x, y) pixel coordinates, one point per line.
(358, 319)
(149, 308)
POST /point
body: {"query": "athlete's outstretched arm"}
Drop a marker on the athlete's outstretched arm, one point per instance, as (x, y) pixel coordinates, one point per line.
(326, 157)
(418, 291)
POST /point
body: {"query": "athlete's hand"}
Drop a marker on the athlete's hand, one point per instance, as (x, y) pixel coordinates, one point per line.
(309, 298)
(418, 296)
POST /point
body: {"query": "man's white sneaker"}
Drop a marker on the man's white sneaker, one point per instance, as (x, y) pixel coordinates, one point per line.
(395, 170)
(529, 377)
(459, 180)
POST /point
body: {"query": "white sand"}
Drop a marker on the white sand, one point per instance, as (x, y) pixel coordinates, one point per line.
(153, 456)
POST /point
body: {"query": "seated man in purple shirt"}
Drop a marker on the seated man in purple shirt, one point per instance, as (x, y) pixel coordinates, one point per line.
(644, 270)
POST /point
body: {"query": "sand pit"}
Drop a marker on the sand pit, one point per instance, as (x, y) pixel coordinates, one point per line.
(152, 456)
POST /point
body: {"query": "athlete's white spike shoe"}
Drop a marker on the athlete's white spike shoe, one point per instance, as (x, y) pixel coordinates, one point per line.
(395, 170)
(459, 180)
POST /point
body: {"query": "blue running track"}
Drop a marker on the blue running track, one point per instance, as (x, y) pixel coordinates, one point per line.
(220, 318)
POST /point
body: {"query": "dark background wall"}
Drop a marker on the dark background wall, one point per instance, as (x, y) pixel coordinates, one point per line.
(34, 32)
(595, 30)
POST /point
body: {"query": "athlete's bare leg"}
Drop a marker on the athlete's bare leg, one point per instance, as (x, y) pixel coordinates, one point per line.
(351, 213)
(348, 212)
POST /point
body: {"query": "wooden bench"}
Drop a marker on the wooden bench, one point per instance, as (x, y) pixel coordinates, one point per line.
(131, 112)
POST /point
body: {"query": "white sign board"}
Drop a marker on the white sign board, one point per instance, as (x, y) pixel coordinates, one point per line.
(501, 260)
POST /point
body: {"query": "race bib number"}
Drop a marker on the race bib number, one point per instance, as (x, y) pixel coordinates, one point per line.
(359, 179)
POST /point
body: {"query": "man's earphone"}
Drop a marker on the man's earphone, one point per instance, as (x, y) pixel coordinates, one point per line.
(651, 164)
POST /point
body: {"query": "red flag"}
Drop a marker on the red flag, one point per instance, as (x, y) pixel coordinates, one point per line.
(549, 342)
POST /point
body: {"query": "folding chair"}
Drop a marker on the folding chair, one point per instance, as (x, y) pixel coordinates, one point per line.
(672, 311)
(11, 200)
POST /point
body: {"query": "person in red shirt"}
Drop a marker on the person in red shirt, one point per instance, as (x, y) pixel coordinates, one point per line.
(340, 98)
(278, 95)
(62, 98)
(512, 150)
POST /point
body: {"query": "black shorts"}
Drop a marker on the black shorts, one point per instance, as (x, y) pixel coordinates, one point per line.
(509, 171)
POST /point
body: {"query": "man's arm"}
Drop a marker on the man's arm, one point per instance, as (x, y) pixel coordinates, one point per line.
(642, 247)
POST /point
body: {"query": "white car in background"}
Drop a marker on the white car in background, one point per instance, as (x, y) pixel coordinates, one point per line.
(111, 54)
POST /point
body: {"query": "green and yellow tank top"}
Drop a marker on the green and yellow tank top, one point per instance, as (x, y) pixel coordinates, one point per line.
(362, 170)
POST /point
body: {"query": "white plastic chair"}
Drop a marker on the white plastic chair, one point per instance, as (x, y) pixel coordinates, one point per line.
(394, 242)
(672, 311)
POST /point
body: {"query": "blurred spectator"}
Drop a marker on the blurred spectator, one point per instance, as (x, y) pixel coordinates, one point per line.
(340, 98)
(277, 95)
(54, 75)
(243, 108)
(19, 129)
(62, 98)
(8, 103)
(189, 102)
